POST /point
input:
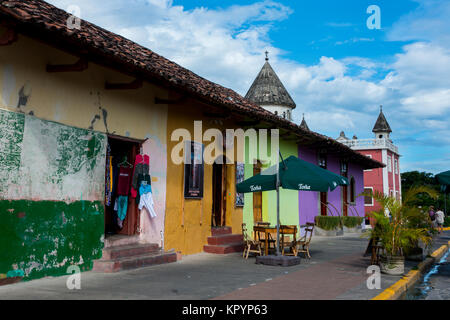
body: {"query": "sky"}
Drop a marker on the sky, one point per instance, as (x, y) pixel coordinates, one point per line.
(337, 70)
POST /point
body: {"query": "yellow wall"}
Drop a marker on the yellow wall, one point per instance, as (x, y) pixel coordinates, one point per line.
(188, 221)
(74, 98)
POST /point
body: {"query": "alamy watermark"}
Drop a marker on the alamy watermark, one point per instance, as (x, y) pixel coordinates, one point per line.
(74, 280)
(374, 280)
(229, 146)
(374, 20)
(74, 20)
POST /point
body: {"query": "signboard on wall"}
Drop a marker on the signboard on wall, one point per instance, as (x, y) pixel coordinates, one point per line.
(193, 170)
(239, 178)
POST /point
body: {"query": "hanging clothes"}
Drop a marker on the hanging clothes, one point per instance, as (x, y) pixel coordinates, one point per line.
(109, 177)
(124, 180)
(146, 199)
(143, 179)
(141, 166)
(122, 205)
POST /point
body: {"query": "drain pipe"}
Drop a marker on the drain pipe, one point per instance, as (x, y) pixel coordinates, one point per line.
(162, 240)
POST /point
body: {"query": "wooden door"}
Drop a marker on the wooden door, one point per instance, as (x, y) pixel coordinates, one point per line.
(218, 196)
(323, 203)
(257, 197)
(224, 195)
(344, 201)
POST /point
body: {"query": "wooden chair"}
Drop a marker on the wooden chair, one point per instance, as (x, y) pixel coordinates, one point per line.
(374, 248)
(271, 242)
(250, 245)
(302, 245)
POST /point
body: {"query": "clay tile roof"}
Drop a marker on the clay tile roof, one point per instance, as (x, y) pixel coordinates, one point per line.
(41, 20)
(267, 89)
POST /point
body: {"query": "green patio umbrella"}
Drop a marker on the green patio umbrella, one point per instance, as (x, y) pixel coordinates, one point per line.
(444, 180)
(295, 174)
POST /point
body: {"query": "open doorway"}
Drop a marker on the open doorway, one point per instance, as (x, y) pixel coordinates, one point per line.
(219, 196)
(121, 211)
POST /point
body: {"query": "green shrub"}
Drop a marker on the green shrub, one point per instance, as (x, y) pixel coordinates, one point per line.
(328, 222)
(351, 222)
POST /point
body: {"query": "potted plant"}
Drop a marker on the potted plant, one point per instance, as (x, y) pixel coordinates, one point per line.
(395, 228)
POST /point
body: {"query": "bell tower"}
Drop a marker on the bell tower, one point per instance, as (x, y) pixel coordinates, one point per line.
(381, 128)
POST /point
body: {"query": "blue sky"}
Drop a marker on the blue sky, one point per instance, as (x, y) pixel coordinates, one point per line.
(337, 70)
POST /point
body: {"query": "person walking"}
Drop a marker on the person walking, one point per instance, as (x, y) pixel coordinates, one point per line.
(432, 215)
(440, 220)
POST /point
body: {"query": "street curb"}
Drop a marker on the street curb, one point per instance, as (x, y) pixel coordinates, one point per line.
(409, 280)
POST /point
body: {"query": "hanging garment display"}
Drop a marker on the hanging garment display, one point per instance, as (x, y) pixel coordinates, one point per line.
(124, 179)
(122, 205)
(141, 166)
(109, 177)
(142, 179)
(146, 199)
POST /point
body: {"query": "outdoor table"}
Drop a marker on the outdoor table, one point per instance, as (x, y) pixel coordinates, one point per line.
(270, 229)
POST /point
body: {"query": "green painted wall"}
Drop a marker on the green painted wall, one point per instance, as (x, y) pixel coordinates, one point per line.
(51, 195)
(43, 238)
(288, 198)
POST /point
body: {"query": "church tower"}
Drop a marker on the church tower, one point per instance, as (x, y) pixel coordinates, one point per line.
(386, 180)
(381, 129)
(268, 92)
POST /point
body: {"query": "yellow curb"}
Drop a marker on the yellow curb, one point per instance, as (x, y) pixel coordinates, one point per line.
(408, 280)
(446, 228)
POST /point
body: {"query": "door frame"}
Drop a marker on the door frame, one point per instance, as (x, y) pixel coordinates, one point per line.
(131, 224)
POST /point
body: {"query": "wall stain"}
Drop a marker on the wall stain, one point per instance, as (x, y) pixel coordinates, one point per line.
(24, 95)
(96, 117)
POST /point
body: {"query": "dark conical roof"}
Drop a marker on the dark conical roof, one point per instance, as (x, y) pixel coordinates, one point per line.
(267, 89)
(303, 125)
(381, 125)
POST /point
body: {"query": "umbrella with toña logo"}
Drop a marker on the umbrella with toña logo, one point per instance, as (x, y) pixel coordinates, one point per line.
(295, 174)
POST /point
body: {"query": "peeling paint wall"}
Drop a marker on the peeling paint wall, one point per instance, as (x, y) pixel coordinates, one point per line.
(43, 160)
(51, 192)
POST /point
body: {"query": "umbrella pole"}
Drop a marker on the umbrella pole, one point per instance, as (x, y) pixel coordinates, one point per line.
(445, 203)
(278, 206)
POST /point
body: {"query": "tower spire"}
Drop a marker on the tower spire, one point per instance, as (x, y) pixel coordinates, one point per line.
(267, 55)
(303, 124)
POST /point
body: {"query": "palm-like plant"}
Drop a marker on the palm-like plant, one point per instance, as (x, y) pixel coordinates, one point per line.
(400, 225)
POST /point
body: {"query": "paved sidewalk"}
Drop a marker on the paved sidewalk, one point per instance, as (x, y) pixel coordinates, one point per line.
(337, 270)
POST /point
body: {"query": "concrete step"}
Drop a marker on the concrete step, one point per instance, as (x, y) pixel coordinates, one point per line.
(225, 239)
(120, 240)
(224, 248)
(218, 231)
(134, 262)
(130, 250)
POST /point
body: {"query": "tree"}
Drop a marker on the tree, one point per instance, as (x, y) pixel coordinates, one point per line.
(427, 179)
